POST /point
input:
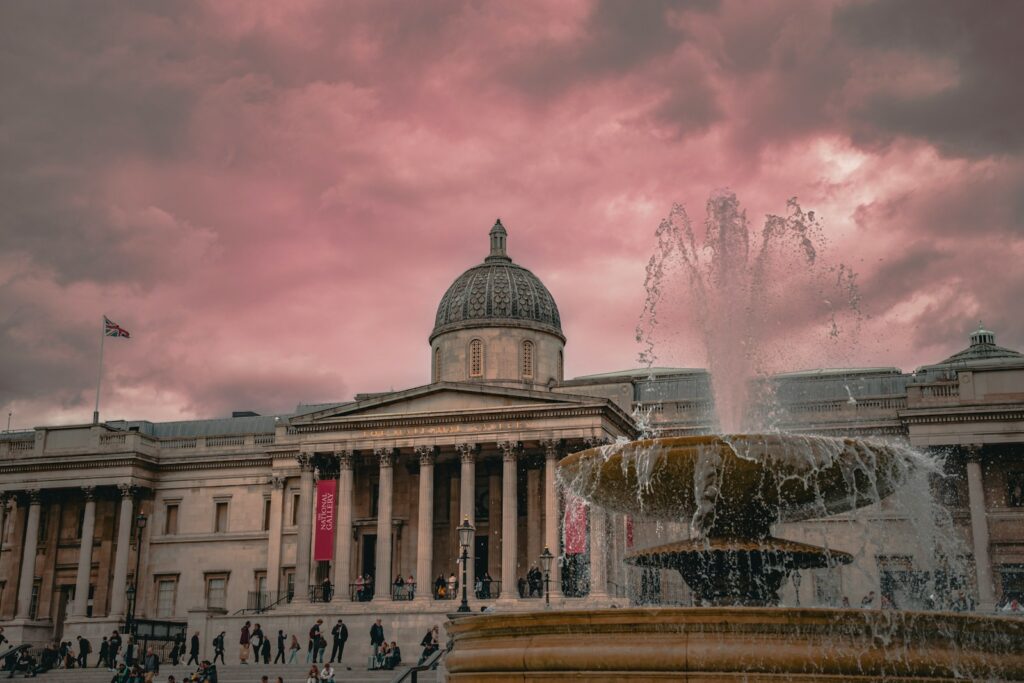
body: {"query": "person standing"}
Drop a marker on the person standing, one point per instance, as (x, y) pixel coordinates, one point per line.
(314, 642)
(115, 647)
(243, 644)
(376, 636)
(256, 641)
(129, 652)
(104, 653)
(265, 650)
(281, 637)
(151, 665)
(84, 650)
(193, 650)
(339, 635)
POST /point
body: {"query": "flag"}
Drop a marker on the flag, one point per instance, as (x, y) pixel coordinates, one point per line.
(112, 329)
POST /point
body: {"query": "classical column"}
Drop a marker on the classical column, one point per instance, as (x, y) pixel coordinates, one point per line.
(494, 522)
(979, 530)
(552, 515)
(598, 553)
(274, 533)
(534, 526)
(4, 498)
(81, 606)
(343, 528)
(425, 530)
(382, 575)
(304, 524)
(467, 504)
(28, 555)
(509, 520)
(119, 585)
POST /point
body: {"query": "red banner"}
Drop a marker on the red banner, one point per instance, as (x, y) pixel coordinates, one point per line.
(575, 525)
(323, 531)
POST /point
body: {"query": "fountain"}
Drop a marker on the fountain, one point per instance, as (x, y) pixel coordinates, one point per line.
(733, 488)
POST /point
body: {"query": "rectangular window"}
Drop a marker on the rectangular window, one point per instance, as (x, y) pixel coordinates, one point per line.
(33, 605)
(220, 521)
(295, 509)
(171, 519)
(165, 594)
(216, 592)
(81, 522)
(44, 520)
(266, 514)
(289, 577)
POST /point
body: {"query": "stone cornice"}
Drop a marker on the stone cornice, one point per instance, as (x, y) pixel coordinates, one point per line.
(964, 413)
(77, 463)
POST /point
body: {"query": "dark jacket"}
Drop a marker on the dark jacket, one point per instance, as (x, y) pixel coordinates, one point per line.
(340, 633)
(84, 646)
(376, 634)
(152, 664)
(194, 646)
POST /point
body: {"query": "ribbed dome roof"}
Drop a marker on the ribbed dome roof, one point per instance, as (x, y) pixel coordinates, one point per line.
(497, 292)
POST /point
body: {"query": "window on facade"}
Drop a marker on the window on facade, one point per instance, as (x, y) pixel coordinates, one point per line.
(216, 592)
(289, 581)
(437, 364)
(1015, 489)
(81, 522)
(1012, 579)
(165, 593)
(295, 509)
(476, 358)
(527, 360)
(220, 520)
(266, 514)
(44, 521)
(560, 370)
(171, 519)
(33, 605)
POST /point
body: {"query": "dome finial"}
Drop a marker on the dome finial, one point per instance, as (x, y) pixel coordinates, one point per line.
(498, 236)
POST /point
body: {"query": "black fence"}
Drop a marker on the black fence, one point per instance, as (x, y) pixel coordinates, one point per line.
(261, 601)
(151, 629)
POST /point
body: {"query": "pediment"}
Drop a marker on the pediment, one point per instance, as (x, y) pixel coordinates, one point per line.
(445, 397)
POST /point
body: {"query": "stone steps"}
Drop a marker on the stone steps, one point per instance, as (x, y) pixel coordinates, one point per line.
(237, 673)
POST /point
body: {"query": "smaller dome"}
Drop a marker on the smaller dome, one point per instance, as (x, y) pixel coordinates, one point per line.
(983, 351)
(497, 293)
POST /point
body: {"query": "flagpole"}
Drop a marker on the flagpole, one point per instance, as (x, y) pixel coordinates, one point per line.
(99, 374)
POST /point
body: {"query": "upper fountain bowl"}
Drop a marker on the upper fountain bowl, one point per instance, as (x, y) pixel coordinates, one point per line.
(738, 485)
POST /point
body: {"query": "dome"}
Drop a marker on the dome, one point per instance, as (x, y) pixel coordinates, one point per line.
(497, 293)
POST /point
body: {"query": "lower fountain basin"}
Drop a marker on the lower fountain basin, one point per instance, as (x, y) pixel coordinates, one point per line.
(734, 644)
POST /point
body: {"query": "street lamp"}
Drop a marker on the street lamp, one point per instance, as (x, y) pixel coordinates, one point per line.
(796, 585)
(466, 532)
(545, 563)
(133, 590)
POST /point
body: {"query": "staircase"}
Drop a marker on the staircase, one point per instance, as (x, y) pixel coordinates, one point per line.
(237, 673)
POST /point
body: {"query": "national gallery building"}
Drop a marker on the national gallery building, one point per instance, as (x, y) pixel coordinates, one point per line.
(281, 519)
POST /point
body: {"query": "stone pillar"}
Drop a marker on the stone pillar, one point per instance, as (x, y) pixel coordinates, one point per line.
(425, 522)
(534, 525)
(119, 585)
(598, 553)
(509, 520)
(343, 528)
(979, 530)
(552, 515)
(3, 515)
(382, 574)
(304, 529)
(28, 555)
(81, 606)
(494, 522)
(467, 505)
(274, 533)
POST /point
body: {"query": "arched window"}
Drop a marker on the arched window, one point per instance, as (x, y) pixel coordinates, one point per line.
(476, 358)
(526, 363)
(437, 364)
(560, 370)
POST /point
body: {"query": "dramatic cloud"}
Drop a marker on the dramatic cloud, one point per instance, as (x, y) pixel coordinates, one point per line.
(272, 197)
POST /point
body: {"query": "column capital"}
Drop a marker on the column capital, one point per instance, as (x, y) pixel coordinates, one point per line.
(126, 490)
(346, 458)
(385, 456)
(509, 450)
(305, 461)
(34, 496)
(551, 448)
(426, 454)
(973, 452)
(467, 452)
(277, 482)
(89, 492)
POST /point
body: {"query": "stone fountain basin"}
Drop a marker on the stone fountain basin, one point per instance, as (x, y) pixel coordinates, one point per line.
(748, 477)
(734, 644)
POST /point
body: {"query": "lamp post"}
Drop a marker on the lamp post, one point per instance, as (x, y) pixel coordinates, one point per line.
(796, 585)
(466, 532)
(133, 590)
(545, 563)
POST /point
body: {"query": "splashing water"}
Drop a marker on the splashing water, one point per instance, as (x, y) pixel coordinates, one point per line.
(747, 293)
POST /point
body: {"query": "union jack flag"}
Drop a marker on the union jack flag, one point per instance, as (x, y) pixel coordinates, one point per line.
(112, 329)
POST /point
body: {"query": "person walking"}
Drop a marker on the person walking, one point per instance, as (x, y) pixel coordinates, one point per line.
(218, 648)
(339, 634)
(243, 644)
(294, 649)
(265, 650)
(115, 647)
(314, 642)
(176, 650)
(151, 665)
(104, 654)
(193, 651)
(280, 647)
(84, 650)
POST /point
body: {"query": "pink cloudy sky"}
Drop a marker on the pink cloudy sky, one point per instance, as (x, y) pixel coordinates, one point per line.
(274, 196)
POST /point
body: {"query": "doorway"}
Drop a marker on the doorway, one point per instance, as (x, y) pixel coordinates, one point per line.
(480, 561)
(65, 597)
(369, 563)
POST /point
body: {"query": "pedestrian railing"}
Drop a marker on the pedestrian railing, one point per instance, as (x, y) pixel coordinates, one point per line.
(261, 601)
(403, 591)
(486, 590)
(360, 592)
(321, 593)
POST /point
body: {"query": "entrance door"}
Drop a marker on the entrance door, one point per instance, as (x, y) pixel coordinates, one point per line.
(369, 563)
(480, 563)
(66, 596)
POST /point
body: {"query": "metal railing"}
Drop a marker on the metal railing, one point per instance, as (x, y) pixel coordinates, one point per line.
(261, 601)
(429, 663)
(403, 591)
(486, 590)
(321, 593)
(360, 592)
